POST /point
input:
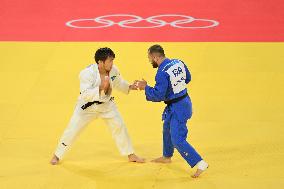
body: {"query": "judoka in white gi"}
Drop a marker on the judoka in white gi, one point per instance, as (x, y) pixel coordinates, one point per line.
(96, 84)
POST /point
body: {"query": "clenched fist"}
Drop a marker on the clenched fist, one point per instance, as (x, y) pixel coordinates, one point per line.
(105, 83)
(141, 84)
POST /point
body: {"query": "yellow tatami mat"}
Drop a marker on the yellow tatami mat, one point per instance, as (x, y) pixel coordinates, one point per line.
(237, 91)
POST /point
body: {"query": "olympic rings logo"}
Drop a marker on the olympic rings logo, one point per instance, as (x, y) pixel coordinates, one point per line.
(132, 21)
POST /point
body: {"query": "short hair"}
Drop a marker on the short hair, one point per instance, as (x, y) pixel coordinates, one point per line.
(157, 49)
(103, 53)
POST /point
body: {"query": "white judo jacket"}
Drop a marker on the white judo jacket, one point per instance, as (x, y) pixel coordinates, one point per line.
(90, 81)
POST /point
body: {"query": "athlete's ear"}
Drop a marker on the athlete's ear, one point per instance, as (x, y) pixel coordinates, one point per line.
(100, 62)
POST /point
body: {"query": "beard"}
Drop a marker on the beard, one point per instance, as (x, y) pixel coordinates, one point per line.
(154, 64)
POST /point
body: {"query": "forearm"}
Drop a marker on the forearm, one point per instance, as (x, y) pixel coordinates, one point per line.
(152, 94)
(122, 86)
(90, 95)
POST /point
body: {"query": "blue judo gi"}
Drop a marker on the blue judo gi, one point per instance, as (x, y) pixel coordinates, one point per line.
(171, 79)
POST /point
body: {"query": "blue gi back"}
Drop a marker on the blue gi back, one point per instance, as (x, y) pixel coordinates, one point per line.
(171, 79)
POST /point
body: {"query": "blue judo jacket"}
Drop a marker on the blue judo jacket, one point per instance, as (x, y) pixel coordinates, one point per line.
(171, 79)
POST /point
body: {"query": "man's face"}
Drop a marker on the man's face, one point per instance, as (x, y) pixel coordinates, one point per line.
(152, 58)
(108, 63)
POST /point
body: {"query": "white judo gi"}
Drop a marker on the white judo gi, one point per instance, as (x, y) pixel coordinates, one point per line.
(89, 91)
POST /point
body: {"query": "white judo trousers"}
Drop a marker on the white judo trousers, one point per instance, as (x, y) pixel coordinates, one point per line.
(80, 120)
(89, 83)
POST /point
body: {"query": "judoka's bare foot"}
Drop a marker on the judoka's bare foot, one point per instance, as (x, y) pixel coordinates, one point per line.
(135, 158)
(162, 160)
(197, 173)
(54, 160)
(201, 167)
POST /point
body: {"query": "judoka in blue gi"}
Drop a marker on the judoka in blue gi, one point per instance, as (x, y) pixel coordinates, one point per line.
(171, 79)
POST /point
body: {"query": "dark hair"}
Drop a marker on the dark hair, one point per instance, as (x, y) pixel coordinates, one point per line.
(157, 49)
(103, 53)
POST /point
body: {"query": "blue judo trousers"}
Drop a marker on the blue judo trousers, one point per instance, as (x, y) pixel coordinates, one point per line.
(171, 79)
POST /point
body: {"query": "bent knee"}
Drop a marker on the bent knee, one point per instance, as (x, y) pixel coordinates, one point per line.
(177, 142)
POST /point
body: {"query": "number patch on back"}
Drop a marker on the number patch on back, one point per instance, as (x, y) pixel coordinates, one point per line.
(177, 76)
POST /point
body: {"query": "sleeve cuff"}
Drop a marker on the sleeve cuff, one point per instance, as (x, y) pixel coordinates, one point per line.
(147, 88)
